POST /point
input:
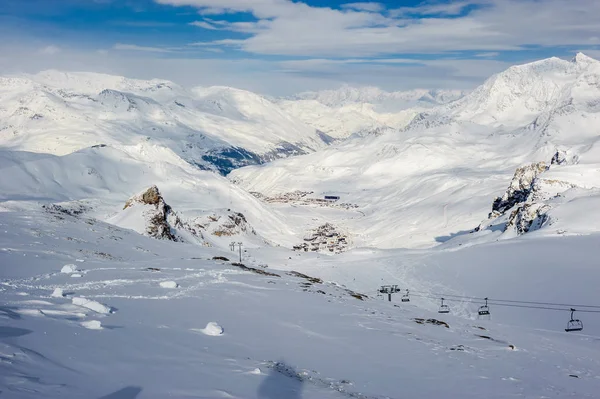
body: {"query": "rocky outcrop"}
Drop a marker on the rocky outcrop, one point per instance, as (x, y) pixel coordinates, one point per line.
(149, 214)
(233, 224)
(525, 205)
(559, 158)
(161, 220)
(528, 217)
(519, 189)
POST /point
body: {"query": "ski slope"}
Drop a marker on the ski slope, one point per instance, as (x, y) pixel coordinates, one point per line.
(133, 319)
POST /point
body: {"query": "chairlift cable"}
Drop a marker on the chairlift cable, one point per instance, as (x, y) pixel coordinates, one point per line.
(479, 301)
(438, 295)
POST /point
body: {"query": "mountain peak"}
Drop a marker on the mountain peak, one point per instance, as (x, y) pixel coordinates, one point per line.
(582, 59)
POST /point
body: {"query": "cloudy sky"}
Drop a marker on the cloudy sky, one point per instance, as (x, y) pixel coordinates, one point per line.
(280, 47)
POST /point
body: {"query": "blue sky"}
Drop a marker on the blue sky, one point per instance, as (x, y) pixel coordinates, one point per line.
(282, 46)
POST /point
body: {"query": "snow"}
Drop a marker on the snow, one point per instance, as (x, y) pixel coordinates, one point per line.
(328, 345)
(169, 284)
(212, 329)
(299, 324)
(92, 305)
(67, 269)
(350, 111)
(39, 113)
(92, 324)
(437, 177)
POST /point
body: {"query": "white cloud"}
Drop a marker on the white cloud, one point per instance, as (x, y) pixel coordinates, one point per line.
(490, 54)
(133, 47)
(294, 28)
(364, 6)
(442, 9)
(204, 25)
(50, 50)
(262, 76)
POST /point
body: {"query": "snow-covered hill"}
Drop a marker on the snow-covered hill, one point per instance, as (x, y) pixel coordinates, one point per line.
(436, 179)
(217, 128)
(98, 182)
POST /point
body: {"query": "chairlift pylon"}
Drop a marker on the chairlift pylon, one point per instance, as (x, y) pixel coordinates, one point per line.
(484, 310)
(405, 297)
(444, 308)
(574, 324)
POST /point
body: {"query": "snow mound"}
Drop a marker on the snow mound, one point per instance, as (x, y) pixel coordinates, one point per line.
(68, 269)
(169, 284)
(213, 329)
(92, 325)
(57, 293)
(92, 305)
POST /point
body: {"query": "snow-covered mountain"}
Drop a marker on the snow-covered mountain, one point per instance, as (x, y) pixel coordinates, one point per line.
(391, 101)
(128, 271)
(351, 111)
(217, 128)
(436, 179)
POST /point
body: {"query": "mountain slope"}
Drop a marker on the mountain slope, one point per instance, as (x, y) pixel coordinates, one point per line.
(216, 128)
(188, 325)
(98, 181)
(388, 101)
(363, 111)
(436, 179)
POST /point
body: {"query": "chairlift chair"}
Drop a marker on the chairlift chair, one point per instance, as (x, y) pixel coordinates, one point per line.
(405, 297)
(574, 324)
(444, 308)
(484, 310)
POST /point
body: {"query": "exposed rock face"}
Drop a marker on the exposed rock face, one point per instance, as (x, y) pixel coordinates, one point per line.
(529, 197)
(560, 158)
(528, 217)
(160, 216)
(324, 238)
(519, 189)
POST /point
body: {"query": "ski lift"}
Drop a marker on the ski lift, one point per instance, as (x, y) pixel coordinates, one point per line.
(484, 310)
(574, 324)
(405, 297)
(444, 308)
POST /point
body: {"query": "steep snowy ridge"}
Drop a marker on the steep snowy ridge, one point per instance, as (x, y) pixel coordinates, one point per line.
(516, 96)
(217, 128)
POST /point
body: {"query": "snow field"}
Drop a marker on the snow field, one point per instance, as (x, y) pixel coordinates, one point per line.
(169, 284)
